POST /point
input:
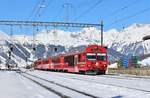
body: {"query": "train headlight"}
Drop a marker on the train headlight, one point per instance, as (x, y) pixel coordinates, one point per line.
(105, 65)
(89, 65)
(97, 64)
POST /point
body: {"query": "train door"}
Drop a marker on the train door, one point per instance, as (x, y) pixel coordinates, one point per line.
(76, 69)
(75, 60)
(69, 60)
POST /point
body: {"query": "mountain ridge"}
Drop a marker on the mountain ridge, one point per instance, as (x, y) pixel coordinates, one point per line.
(126, 42)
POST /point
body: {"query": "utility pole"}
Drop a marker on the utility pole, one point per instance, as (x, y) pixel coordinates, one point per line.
(101, 25)
(11, 43)
(33, 46)
(10, 47)
(40, 7)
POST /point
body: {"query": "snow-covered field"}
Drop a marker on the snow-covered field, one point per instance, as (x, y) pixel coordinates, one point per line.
(44, 84)
(13, 85)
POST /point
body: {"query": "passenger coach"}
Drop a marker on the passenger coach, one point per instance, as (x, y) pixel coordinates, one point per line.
(93, 59)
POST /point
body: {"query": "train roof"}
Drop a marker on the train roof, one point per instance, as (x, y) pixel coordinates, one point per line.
(74, 51)
(80, 49)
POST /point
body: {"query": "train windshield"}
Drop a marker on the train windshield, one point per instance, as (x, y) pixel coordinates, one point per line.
(101, 56)
(91, 56)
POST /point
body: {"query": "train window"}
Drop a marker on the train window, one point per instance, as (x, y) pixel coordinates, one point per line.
(46, 62)
(79, 57)
(69, 60)
(101, 56)
(91, 56)
(56, 60)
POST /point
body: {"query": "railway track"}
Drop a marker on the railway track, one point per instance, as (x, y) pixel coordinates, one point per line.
(117, 76)
(107, 84)
(26, 75)
(47, 88)
(129, 77)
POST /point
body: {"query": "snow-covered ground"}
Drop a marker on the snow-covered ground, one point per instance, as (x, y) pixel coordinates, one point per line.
(13, 85)
(104, 86)
(145, 62)
(56, 85)
(114, 65)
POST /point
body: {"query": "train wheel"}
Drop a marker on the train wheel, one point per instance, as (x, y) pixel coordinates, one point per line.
(101, 72)
(65, 70)
(82, 72)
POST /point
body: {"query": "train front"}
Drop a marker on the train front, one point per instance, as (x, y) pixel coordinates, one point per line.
(96, 59)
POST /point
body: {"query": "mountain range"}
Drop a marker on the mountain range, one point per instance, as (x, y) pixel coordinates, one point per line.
(121, 43)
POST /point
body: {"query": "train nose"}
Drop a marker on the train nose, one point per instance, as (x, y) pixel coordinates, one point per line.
(91, 64)
(100, 64)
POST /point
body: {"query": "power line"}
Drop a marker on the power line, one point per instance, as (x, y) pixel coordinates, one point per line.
(47, 4)
(67, 7)
(124, 7)
(89, 9)
(58, 13)
(131, 16)
(34, 9)
(37, 9)
(40, 7)
(83, 3)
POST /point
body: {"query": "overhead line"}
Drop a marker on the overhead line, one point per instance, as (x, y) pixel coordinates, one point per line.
(39, 8)
(39, 23)
(124, 7)
(89, 9)
(128, 17)
(48, 3)
(34, 9)
(83, 3)
(58, 13)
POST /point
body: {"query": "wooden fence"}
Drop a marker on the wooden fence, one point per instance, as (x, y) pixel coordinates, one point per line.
(131, 71)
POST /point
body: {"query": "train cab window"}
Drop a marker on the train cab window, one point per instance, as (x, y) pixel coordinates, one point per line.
(101, 56)
(91, 56)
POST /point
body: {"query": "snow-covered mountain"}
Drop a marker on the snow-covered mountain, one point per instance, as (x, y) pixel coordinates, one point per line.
(120, 43)
(128, 40)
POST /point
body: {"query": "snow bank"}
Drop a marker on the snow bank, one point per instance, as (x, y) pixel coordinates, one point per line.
(114, 65)
(145, 62)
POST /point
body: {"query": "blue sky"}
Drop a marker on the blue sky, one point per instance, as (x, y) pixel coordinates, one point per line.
(87, 11)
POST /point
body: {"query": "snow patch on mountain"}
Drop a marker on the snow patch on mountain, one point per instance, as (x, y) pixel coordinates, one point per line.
(18, 53)
(126, 42)
(22, 39)
(3, 36)
(129, 40)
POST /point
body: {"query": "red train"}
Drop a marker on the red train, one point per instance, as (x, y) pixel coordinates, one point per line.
(93, 59)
